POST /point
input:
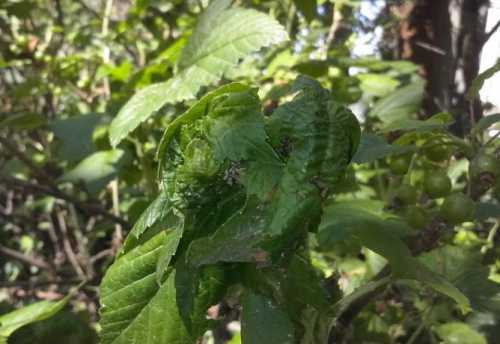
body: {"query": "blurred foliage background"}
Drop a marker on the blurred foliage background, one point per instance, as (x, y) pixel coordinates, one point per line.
(67, 199)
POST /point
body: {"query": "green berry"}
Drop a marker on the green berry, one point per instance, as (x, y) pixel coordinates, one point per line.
(400, 164)
(417, 217)
(457, 208)
(406, 194)
(484, 164)
(437, 151)
(437, 184)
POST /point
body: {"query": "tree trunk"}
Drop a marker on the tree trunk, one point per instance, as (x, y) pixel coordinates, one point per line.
(469, 43)
(445, 38)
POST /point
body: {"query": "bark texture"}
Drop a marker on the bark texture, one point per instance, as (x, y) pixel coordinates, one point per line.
(445, 38)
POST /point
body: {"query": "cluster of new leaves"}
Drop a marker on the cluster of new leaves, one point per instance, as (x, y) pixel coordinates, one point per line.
(240, 193)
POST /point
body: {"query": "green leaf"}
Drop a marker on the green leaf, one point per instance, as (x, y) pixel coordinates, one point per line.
(208, 218)
(21, 317)
(486, 122)
(378, 85)
(478, 82)
(235, 127)
(72, 327)
(76, 135)
(261, 176)
(458, 333)
(312, 68)
(197, 290)
(159, 322)
(236, 339)
(97, 170)
(486, 210)
(438, 121)
(366, 289)
(140, 107)
(307, 8)
(119, 72)
(196, 111)
(172, 52)
(134, 307)
(399, 104)
(169, 249)
(158, 216)
(373, 147)
(299, 295)
(235, 241)
(20, 9)
(404, 266)
(316, 326)
(263, 323)
(221, 38)
(378, 65)
(285, 284)
(349, 221)
(155, 70)
(341, 219)
(463, 268)
(23, 121)
(128, 286)
(324, 136)
(157, 211)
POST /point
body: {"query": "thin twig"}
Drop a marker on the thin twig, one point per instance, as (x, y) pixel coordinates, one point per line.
(36, 284)
(38, 262)
(472, 120)
(493, 138)
(118, 234)
(291, 17)
(336, 22)
(105, 49)
(67, 245)
(19, 220)
(88, 8)
(490, 241)
(60, 13)
(419, 329)
(81, 242)
(103, 254)
(58, 252)
(490, 33)
(349, 313)
(38, 172)
(431, 47)
(85, 207)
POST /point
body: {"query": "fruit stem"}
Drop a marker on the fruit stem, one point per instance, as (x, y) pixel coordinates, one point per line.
(491, 237)
(407, 177)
